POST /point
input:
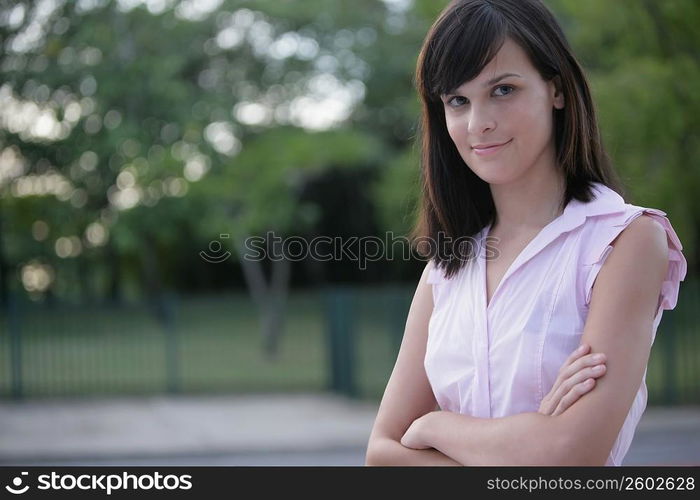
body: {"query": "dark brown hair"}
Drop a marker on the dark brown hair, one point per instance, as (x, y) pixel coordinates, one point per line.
(456, 203)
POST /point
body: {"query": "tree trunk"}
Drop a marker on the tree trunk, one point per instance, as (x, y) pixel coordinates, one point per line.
(151, 277)
(4, 268)
(270, 299)
(114, 265)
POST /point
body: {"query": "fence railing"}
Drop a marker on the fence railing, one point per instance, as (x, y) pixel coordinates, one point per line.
(343, 339)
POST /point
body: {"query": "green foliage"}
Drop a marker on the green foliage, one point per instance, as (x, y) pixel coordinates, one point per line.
(161, 155)
(643, 62)
(398, 192)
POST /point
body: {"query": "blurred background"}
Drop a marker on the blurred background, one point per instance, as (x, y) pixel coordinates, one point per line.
(143, 142)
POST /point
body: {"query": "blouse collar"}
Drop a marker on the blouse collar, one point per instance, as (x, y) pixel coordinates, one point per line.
(605, 202)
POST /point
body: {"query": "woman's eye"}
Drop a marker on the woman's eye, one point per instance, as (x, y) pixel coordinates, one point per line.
(507, 87)
(456, 101)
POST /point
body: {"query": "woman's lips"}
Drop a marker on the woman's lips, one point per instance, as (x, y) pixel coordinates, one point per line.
(491, 150)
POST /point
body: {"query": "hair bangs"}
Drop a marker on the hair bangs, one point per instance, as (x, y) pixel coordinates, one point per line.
(459, 47)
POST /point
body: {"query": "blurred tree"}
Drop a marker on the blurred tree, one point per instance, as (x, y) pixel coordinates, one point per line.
(133, 131)
(114, 110)
(643, 58)
(260, 192)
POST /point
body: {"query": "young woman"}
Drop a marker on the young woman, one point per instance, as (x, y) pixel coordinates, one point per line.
(488, 371)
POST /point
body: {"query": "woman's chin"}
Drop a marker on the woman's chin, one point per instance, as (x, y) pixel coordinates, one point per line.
(495, 175)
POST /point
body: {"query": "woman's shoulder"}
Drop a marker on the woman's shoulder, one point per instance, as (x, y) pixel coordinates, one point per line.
(641, 226)
(436, 273)
(643, 222)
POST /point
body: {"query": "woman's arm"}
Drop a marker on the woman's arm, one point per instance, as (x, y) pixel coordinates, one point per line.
(390, 452)
(523, 439)
(577, 377)
(408, 394)
(620, 323)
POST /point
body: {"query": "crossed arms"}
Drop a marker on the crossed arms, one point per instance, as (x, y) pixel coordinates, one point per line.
(409, 430)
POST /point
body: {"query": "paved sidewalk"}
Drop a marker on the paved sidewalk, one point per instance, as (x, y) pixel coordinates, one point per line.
(300, 429)
(188, 425)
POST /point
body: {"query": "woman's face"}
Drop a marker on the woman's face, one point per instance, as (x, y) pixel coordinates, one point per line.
(516, 111)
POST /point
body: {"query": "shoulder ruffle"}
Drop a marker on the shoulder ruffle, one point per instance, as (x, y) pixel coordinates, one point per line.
(600, 247)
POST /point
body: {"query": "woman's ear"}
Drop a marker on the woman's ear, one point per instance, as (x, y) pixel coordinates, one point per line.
(558, 93)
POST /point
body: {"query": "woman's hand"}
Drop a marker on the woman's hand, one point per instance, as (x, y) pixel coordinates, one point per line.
(576, 377)
(414, 436)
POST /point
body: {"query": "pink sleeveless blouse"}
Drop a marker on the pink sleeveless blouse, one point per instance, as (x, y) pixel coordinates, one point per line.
(503, 359)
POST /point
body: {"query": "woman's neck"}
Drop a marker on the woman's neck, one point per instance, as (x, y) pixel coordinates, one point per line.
(528, 204)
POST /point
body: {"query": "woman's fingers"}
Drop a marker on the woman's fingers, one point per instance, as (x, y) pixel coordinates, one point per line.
(545, 406)
(566, 370)
(571, 386)
(577, 353)
(580, 351)
(582, 363)
(573, 395)
(573, 380)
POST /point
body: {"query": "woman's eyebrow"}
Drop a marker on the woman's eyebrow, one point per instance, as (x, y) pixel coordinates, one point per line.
(499, 78)
(490, 82)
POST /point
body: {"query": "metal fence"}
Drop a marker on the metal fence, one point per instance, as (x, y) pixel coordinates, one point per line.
(343, 339)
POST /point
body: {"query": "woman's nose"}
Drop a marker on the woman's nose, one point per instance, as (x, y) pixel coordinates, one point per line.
(480, 120)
